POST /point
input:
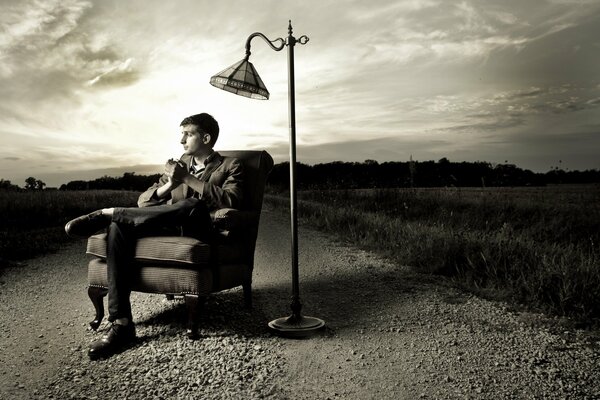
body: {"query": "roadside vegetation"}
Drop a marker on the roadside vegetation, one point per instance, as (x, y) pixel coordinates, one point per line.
(32, 221)
(534, 246)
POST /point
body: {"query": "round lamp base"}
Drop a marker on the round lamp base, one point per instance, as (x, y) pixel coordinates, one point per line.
(296, 327)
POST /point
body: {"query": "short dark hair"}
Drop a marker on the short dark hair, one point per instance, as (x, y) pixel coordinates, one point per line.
(206, 123)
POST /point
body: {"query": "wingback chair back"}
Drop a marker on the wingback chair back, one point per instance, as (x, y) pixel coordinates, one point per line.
(257, 165)
(186, 266)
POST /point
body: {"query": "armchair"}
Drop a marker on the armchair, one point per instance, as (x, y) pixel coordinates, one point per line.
(185, 266)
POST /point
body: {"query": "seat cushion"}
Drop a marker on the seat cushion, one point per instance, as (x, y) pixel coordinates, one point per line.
(149, 278)
(165, 249)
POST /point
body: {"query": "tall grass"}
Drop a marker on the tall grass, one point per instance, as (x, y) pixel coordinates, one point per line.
(538, 245)
(32, 222)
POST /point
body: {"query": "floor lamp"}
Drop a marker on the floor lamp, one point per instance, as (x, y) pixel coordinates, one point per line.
(242, 79)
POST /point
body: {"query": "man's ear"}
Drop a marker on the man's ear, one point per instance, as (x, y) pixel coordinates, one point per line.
(206, 138)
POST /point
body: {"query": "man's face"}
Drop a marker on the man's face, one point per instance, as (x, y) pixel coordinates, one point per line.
(194, 142)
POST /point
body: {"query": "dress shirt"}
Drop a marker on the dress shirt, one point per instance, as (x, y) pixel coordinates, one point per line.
(198, 169)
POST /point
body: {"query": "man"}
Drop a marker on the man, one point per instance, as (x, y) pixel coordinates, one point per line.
(179, 203)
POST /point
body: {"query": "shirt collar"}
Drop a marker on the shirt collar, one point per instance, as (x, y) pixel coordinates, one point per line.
(197, 167)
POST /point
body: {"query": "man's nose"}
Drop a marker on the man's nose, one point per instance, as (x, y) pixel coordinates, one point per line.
(182, 141)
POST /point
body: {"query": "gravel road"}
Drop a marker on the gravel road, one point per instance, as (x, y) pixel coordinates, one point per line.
(391, 334)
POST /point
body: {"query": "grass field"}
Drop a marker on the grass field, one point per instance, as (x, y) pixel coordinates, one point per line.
(32, 222)
(535, 246)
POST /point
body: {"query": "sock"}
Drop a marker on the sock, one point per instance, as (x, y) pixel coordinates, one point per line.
(122, 321)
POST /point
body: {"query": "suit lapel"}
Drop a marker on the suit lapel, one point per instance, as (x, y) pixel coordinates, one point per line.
(216, 161)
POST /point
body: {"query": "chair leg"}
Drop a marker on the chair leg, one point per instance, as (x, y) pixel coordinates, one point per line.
(247, 286)
(96, 295)
(194, 303)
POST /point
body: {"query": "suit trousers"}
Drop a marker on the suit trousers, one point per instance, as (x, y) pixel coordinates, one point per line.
(188, 217)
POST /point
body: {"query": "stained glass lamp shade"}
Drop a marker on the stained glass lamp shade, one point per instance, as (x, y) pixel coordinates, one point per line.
(242, 79)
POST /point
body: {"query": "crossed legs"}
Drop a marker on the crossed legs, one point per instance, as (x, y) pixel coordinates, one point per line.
(125, 225)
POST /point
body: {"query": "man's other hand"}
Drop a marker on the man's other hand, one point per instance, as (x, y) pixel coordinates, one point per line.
(175, 171)
(180, 171)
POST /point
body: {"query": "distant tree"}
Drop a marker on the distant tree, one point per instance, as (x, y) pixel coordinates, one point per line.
(30, 183)
(7, 185)
(34, 184)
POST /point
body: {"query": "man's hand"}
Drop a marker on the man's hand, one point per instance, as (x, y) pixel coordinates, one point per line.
(180, 171)
(176, 172)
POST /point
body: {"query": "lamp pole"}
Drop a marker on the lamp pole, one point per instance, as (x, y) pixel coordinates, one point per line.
(294, 325)
(241, 78)
(296, 305)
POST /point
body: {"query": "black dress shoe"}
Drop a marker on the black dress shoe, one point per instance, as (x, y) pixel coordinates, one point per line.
(86, 225)
(117, 339)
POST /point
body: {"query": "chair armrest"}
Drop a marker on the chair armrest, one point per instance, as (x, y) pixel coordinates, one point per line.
(231, 219)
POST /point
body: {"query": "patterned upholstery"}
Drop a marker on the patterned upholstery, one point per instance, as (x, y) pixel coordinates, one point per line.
(177, 250)
(158, 279)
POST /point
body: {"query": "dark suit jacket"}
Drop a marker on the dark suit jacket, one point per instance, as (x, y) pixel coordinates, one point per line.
(221, 185)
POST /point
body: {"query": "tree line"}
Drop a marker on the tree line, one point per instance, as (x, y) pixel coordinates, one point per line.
(129, 181)
(367, 174)
(443, 173)
(30, 184)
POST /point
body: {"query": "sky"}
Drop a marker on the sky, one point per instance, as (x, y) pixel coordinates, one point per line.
(98, 87)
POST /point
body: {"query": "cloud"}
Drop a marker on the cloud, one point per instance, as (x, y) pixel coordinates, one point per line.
(121, 74)
(442, 32)
(31, 30)
(48, 52)
(593, 102)
(519, 94)
(491, 123)
(539, 100)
